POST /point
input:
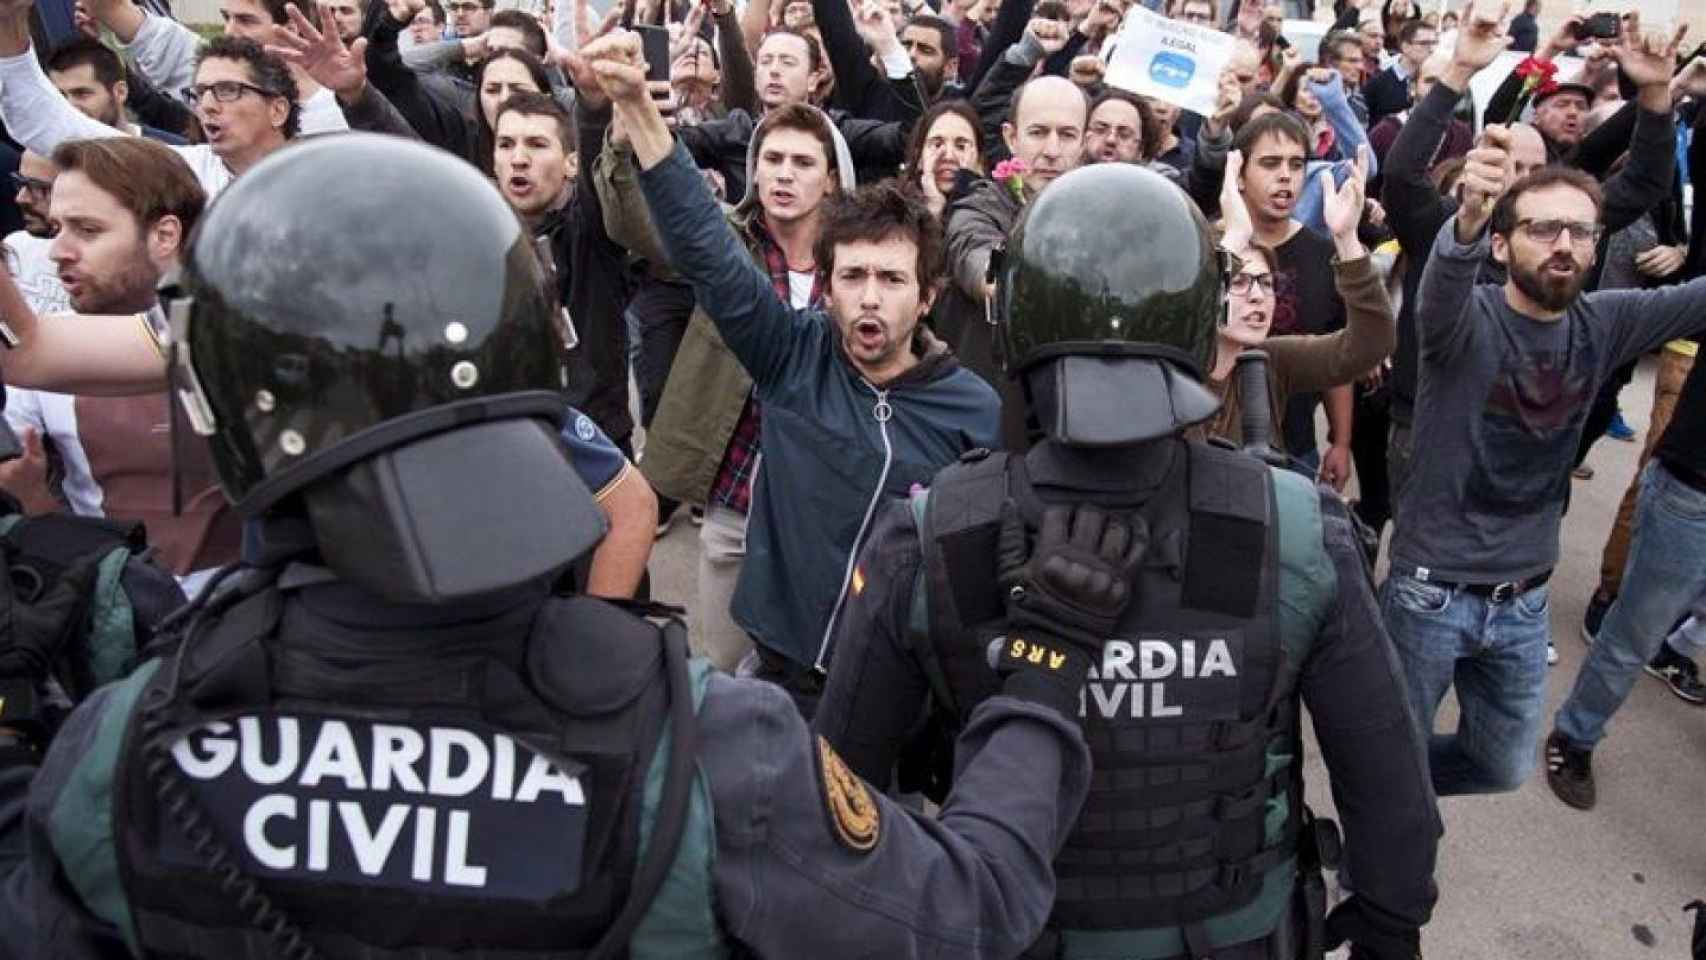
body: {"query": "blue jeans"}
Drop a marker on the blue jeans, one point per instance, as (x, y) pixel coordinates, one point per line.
(1495, 654)
(1664, 578)
(1689, 640)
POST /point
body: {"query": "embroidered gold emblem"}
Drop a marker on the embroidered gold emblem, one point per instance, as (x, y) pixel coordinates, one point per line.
(858, 822)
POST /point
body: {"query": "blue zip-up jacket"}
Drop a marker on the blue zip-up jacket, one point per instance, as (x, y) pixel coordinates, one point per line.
(835, 445)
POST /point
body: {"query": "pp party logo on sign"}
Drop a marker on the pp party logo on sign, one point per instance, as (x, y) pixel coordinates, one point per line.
(1167, 59)
(1172, 70)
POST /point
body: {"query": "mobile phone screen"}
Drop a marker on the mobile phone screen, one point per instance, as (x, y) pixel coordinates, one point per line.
(654, 43)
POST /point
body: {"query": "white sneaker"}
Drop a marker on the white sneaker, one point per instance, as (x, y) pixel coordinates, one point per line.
(1551, 653)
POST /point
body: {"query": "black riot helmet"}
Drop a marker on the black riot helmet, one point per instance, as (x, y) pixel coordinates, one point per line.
(1110, 295)
(362, 322)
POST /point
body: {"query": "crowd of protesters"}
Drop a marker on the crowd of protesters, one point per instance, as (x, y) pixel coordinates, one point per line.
(1425, 274)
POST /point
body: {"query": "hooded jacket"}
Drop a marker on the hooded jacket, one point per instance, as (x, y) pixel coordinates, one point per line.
(707, 387)
(835, 444)
(875, 148)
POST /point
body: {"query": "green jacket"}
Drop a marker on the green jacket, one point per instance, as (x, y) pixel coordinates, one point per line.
(707, 387)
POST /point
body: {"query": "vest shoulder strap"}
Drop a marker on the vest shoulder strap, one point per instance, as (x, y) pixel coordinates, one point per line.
(1228, 503)
(968, 494)
(959, 522)
(629, 650)
(224, 660)
(961, 525)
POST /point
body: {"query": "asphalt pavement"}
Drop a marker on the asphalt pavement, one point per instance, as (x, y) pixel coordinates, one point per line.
(1521, 876)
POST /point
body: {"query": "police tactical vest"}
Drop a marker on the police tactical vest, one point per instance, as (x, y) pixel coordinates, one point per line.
(490, 799)
(1190, 716)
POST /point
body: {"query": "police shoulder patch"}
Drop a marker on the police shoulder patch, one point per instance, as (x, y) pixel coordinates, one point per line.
(854, 814)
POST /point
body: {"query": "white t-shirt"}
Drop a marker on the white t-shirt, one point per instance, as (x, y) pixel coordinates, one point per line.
(50, 415)
(800, 288)
(36, 276)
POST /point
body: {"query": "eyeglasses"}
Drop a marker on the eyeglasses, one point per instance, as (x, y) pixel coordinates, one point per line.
(463, 7)
(1241, 283)
(1428, 44)
(1582, 232)
(39, 187)
(1122, 134)
(226, 91)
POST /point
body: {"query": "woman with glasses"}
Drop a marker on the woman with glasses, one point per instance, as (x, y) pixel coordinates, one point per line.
(1300, 363)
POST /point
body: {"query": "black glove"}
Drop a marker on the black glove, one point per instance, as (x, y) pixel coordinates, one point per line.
(1373, 935)
(1064, 599)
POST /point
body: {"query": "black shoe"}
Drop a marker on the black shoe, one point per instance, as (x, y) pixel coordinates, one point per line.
(1569, 772)
(1597, 605)
(1679, 673)
(666, 518)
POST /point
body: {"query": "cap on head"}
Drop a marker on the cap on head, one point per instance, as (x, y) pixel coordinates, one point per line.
(1567, 86)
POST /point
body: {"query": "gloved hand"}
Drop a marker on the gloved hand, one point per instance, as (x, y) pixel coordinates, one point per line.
(1064, 597)
(1372, 934)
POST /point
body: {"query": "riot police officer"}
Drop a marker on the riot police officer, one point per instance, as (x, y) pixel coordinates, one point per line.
(1252, 596)
(385, 736)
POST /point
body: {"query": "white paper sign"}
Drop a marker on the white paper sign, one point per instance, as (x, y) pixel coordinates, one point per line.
(1168, 59)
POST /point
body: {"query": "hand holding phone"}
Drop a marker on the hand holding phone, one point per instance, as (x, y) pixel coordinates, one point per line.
(654, 46)
(1600, 26)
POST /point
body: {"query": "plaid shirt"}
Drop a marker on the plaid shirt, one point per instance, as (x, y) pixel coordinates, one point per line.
(732, 487)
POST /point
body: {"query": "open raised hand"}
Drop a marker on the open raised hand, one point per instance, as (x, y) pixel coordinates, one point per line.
(1481, 36)
(322, 54)
(1342, 207)
(1237, 230)
(1647, 59)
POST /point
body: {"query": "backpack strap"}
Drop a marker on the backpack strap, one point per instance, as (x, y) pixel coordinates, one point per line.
(958, 521)
(918, 614)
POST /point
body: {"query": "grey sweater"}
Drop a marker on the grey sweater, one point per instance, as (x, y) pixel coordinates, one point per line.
(1499, 412)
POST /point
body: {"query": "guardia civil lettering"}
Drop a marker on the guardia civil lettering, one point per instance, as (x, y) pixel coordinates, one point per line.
(1164, 659)
(457, 762)
(1128, 682)
(330, 792)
